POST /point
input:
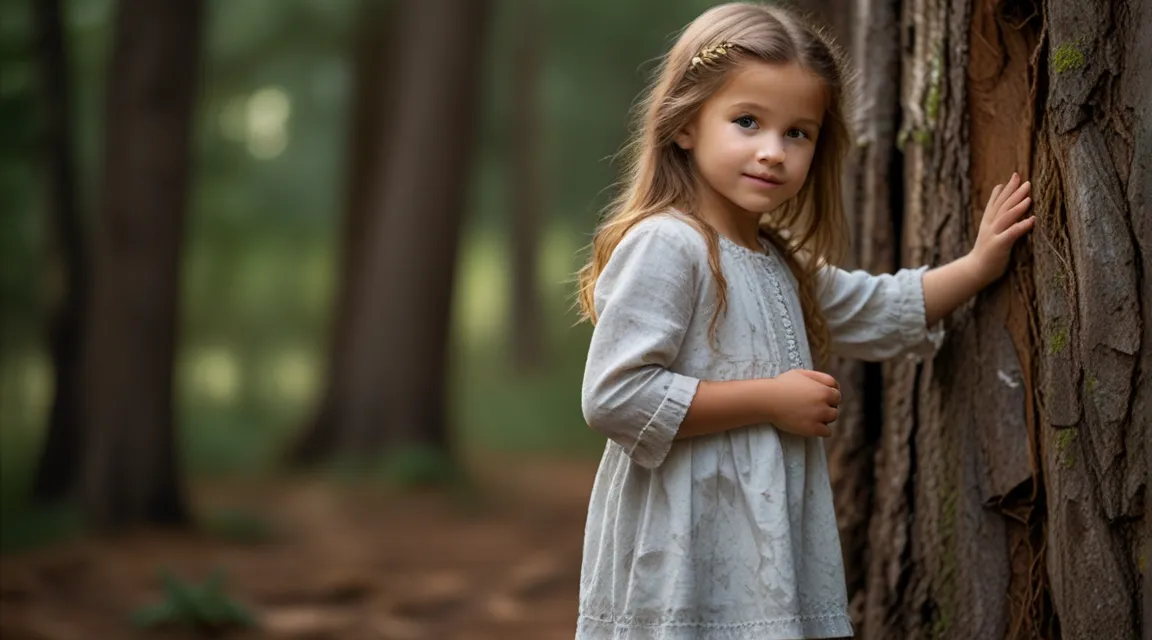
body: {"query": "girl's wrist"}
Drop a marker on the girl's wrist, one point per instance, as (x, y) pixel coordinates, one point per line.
(768, 398)
(976, 271)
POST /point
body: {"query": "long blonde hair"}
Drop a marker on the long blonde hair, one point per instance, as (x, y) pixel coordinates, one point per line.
(810, 228)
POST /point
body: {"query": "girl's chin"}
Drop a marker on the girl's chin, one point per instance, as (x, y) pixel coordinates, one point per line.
(759, 204)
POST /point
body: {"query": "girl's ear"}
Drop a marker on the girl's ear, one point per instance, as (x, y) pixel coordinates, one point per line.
(686, 139)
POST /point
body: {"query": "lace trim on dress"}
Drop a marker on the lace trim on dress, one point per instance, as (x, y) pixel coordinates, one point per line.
(772, 264)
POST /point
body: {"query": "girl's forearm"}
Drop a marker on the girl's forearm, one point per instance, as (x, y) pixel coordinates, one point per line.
(949, 286)
(721, 406)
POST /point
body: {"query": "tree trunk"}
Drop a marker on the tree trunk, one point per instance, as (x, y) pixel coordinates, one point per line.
(400, 306)
(57, 471)
(525, 182)
(1012, 467)
(1011, 470)
(377, 43)
(873, 207)
(1093, 309)
(130, 465)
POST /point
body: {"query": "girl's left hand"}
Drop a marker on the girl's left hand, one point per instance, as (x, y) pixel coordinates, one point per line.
(1001, 227)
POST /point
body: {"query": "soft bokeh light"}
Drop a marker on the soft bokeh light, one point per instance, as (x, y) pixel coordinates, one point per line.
(294, 376)
(215, 375)
(267, 114)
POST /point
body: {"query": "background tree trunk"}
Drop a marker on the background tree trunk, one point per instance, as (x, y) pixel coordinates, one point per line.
(57, 471)
(400, 306)
(130, 464)
(377, 45)
(525, 184)
(1011, 469)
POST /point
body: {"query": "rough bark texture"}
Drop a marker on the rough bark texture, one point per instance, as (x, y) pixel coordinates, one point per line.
(130, 472)
(57, 471)
(873, 214)
(1093, 309)
(399, 307)
(1011, 469)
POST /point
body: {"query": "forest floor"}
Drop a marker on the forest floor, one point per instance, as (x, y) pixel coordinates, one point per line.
(325, 559)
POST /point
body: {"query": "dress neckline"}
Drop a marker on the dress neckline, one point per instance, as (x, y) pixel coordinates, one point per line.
(766, 252)
(765, 246)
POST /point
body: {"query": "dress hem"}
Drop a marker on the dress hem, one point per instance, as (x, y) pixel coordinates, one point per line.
(834, 625)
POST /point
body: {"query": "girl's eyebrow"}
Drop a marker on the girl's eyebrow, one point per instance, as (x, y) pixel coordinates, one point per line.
(752, 106)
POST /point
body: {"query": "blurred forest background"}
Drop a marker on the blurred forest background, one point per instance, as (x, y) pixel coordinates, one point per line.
(286, 294)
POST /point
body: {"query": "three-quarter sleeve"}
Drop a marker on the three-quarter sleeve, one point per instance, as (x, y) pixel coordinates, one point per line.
(644, 302)
(877, 317)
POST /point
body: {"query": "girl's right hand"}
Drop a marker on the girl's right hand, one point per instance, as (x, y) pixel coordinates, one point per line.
(804, 402)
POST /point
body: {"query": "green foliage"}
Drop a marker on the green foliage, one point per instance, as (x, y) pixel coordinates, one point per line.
(205, 608)
(23, 524)
(20, 228)
(260, 253)
(35, 525)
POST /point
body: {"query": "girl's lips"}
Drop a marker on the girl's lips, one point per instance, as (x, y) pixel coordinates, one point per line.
(767, 183)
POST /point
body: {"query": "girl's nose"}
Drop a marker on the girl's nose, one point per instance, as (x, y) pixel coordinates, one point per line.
(771, 151)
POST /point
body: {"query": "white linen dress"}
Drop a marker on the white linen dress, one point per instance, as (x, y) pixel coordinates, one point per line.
(729, 536)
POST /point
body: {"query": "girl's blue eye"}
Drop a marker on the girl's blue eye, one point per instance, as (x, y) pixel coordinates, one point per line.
(801, 133)
(745, 122)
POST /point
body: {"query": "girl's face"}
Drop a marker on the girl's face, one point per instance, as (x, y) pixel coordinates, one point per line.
(753, 140)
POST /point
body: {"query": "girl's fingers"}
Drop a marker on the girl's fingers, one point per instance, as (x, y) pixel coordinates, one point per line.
(1008, 189)
(1012, 215)
(1016, 231)
(995, 194)
(835, 397)
(990, 210)
(1009, 236)
(818, 376)
(1015, 197)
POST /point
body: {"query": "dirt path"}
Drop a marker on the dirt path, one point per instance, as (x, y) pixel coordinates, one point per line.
(347, 563)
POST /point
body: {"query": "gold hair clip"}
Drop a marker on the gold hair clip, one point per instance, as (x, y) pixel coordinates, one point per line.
(710, 54)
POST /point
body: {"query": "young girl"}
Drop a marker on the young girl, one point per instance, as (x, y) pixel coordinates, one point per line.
(712, 294)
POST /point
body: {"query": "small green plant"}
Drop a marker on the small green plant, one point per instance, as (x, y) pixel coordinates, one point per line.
(205, 608)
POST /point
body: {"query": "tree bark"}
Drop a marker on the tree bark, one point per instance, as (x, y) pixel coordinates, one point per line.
(1092, 310)
(871, 180)
(525, 183)
(130, 467)
(1011, 471)
(56, 473)
(400, 306)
